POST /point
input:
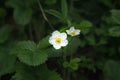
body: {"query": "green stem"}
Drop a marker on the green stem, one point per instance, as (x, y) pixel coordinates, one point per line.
(64, 59)
(68, 74)
(44, 15)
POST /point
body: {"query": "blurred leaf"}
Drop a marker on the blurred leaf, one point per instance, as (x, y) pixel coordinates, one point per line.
(107, 2)
(74, 66)
(74, 63)
(112, 70)
(50, 1)
(74, 43)
(3, 13)
(82, 43)
(114, 31)
(23, 72)
(22, 16)
(91, 40)
(66, 64)
(64, 8)
(45, 74)
(84, 26)
(115, 16)
(87, 63)
(5, 33)
(20, 3)
(7, 61)
(75, 60)
(56, 14)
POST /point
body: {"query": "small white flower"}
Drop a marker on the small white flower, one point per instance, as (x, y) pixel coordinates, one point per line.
(73, 32)
(58, 39)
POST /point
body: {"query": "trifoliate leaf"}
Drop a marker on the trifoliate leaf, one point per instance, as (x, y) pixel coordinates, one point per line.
(28, 53)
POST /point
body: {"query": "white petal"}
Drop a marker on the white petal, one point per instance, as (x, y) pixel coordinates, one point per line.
(64, 43)
(51, 40)
(57, 46)
(77, 32)
(55, 33)
(72, 28)
(68, 31)
(63, 36)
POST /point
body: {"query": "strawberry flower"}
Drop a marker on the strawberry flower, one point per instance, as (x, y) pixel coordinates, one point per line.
(58, 39)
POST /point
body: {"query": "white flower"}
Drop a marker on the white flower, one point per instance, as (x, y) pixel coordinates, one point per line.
(73, 32)
(58, 39)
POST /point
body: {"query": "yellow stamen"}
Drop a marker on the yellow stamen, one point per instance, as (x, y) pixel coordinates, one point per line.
(72, 32)
(58, 39)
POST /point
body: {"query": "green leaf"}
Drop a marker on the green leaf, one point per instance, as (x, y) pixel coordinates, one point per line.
(44, 43)
(22, 16)
(7, 61)
(74, 66)
(74, 63)
(112, 70)
(115, 16)
(45, 74)
(56, 14)
(114, 31)
(51, 52)
(75, 60)
(5, 33)
(64, 8)
(66, 64)
(23, 72)
(74, 43)
(28, 53)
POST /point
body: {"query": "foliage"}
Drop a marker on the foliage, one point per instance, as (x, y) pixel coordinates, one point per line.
(25, 29)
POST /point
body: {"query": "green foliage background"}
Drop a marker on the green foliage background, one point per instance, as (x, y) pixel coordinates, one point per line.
(26, 25)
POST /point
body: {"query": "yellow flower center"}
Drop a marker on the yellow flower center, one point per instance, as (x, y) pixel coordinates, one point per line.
(58, 39)
(72, 32)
